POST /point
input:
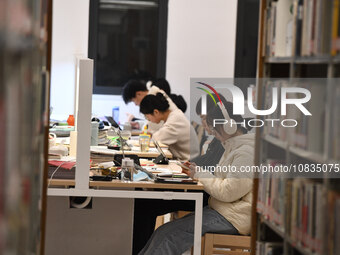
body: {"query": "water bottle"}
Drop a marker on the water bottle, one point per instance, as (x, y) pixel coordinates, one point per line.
(94, 133)
(128, 168)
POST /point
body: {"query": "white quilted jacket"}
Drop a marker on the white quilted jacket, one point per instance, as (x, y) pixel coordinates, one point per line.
(231, 193)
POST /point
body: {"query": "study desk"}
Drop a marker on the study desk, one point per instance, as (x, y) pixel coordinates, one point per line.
(119, 184)
(118, 189)
(152, 153)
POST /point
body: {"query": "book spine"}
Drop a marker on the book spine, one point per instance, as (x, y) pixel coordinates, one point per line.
(335, 26)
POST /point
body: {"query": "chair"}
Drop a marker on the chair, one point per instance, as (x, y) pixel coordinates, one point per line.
(225, 244)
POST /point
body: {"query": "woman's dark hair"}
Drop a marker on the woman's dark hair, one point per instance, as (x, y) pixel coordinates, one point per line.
(179, 102)
(210, 103)
(131, 88)
(216, 113)
(163, 84)
(153, 102)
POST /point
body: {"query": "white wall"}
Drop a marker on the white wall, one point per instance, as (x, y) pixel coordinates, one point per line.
(69, 40)
(201, 43)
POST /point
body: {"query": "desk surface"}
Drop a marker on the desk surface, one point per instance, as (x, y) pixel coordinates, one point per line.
(119, 184)
(172, 167)
(152, 153)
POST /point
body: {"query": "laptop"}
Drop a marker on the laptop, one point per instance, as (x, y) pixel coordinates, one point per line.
(161, 159)
(112, 122)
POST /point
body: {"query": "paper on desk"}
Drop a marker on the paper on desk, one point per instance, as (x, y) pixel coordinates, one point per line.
(157, 169)
(65, 140)
(102, 150)
(67, 158)
(137, 149)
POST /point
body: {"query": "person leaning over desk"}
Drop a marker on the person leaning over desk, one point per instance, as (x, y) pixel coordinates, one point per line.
(229, 210)
(175, 131)
(135, 91)
(146, 210)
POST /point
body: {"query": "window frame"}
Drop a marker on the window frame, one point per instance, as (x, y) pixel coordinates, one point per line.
(161, 49)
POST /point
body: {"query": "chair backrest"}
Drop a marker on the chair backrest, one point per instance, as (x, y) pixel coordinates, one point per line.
(225, 244)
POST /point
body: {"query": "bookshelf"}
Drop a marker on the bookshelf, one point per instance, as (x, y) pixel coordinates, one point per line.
(295, 214)
(24, 93)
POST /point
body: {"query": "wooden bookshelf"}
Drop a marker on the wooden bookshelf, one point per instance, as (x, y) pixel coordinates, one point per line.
(319, 58)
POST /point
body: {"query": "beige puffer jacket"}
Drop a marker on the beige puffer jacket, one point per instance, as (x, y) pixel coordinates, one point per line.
(231, 192)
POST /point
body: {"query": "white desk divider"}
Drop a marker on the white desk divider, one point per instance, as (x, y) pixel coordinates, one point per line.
(84, 86)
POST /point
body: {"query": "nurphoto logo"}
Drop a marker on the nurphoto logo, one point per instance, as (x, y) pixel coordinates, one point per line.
(239, 104)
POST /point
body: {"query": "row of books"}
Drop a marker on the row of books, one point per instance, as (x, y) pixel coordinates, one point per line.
(336, 28)
(308, 134)
(306, 222)
(313, 27)
(269, 248)
(299, 27)
(274, 129)
(279, 22)
(271, 196)
(333, 230)
(311, 214)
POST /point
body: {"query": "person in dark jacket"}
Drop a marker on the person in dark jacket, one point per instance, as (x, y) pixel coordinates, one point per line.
(215, 149)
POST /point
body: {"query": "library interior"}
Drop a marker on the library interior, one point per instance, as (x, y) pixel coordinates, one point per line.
(170, 127)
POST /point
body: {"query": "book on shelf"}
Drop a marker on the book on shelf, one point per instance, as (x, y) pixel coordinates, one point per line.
(315, 27)
(271, 195)
(307, 215)
(269, 248)
(335, 28)
(270, 31)
(333, 226)
(279, 23)
(283, 28)
(273, 130)
(308, 134)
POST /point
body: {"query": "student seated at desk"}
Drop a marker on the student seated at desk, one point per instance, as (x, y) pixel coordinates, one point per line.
(134, 91)
(175, 131)
(229, 210)
(147, 210)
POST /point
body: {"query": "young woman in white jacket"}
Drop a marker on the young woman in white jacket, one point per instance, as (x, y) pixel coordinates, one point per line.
(229, 210)
(176, 131)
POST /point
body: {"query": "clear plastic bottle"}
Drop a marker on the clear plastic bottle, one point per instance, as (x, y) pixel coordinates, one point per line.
(128, 168)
